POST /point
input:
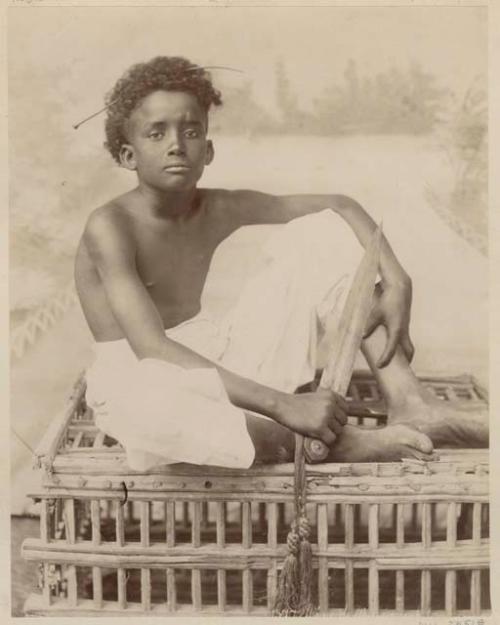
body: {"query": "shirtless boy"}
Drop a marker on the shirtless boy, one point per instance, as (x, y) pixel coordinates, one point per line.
(144, 257)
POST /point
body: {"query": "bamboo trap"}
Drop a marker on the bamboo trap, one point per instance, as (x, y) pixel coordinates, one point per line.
(387, 538)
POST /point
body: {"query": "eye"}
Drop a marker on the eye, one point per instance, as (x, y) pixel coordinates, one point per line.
(156, 135)
(192, 133)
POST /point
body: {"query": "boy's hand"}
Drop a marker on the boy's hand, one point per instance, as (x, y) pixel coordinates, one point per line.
(391, 309)
(321, 414)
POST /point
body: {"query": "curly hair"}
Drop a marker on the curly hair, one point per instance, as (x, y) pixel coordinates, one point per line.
(168, 73)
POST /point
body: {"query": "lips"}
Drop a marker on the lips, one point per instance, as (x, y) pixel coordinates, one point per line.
(177, 167)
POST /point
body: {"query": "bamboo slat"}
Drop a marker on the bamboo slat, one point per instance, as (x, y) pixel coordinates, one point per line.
(70, 529)
(400, 592)
(272, 542)
(196, 589)
(77, 440)
(196, 523)
(119, 524)
(349, 525)
(97, 586)
(220, 524)
(246, 525)
(95, 519)
(169, 513)
(475, 583)
(426, 525)
(373, 577)
(221, 590)
(475, 592)
(196, 542)
(204, 514)
(400, 524)
(425, 592)
(323, 590)
(349, 587)
(451, 575)
(171, 590)
(170, 523)
(247, 591)
(46, 592)
(45, 524)
(146, 589)
(122, 588)
(246, 541)
(476, 523)
(145, 523)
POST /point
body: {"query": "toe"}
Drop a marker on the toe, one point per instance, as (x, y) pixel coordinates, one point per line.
(423, 443)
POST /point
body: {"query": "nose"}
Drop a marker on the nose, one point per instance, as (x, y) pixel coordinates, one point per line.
(176, 146)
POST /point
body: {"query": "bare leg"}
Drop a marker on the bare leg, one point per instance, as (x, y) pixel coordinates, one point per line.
(448, 424)
(275, 444)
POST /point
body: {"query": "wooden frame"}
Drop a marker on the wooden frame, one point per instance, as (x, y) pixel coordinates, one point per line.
(194, 540)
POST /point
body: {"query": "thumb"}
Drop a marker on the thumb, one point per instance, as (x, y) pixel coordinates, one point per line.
(371, 325)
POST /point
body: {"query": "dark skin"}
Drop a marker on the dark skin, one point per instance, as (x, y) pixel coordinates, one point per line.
(143, 259)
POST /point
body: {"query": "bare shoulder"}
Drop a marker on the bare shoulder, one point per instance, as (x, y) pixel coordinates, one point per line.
(108, 227)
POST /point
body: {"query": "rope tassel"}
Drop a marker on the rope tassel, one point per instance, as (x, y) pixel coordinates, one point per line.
(294, 596)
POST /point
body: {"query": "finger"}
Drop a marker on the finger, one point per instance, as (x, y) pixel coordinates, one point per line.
(340, 416)
(390, 348)
(342, 403)
(328, 437)
(335, 426)
(408, 347)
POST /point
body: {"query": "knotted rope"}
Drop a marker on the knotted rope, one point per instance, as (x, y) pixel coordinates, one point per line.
(294, 597)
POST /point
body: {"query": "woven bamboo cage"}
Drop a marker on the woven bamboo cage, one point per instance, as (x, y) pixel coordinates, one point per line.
(409, 537)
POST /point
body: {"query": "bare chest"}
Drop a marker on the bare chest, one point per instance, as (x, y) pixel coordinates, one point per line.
(173, 266)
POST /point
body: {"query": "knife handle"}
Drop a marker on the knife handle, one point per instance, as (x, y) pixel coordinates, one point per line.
(315, 450)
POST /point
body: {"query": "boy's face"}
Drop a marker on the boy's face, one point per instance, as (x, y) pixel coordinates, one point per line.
(167, 145)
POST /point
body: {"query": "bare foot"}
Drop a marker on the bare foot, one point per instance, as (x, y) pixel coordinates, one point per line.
(386, 444)
(275, 444)
(447, 424)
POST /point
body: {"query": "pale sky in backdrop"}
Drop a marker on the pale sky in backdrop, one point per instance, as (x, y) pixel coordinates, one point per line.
(93, 46)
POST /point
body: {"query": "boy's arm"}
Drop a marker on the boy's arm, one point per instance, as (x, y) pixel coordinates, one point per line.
(112, 250)
(394, 295)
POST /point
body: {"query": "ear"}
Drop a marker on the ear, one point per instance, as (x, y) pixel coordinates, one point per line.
(127, 157)
(210, 153)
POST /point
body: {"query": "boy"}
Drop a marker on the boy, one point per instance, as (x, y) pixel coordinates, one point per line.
(168, 382)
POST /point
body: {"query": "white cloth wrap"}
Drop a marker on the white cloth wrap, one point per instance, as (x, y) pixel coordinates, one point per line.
(162, 413)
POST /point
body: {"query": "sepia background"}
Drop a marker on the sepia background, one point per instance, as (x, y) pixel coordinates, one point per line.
(387, 105)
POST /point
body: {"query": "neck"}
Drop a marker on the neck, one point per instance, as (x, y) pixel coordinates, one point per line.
(169, 204)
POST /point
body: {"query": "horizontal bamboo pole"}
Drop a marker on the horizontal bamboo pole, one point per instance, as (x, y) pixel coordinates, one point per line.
(35, 607)
(259, 556)
(97, 460)
(405, 489)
